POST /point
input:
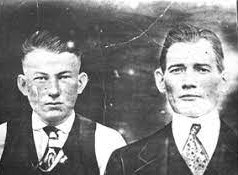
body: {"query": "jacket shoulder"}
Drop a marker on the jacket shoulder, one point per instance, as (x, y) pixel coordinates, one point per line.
(86, 124)
(151, 140)
(128, 159)
(228, 137)
(81, 118)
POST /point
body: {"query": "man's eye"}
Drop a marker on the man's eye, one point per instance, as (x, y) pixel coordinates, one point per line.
(64, 77)
(40, 78)
(176, 70)
(203, 70)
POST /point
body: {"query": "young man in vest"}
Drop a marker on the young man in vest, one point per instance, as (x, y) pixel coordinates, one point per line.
(52, 138)
(197, 141)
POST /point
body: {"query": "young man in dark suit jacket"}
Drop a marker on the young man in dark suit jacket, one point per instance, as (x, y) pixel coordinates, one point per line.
(197, 141)
(52, 139)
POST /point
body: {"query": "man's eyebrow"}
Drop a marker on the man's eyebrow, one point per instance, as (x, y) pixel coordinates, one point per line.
(65, 72)
(42, 73)
(202, 65)
(175, 65)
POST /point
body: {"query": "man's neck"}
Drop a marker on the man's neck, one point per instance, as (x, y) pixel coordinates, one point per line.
(214, 114)
(38, 123)
(54, 122)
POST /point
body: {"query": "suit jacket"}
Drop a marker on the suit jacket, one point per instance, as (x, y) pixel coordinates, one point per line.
(157, 154)
(20, 157)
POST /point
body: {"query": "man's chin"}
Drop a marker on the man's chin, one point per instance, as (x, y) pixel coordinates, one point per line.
(193, 110)
(193, 113)
(54, 118)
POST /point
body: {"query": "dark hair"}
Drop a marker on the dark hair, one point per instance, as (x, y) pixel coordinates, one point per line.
(46, 40)
(190, 33)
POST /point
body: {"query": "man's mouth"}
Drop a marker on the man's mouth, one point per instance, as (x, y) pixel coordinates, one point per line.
(189, 97)
(53, 103)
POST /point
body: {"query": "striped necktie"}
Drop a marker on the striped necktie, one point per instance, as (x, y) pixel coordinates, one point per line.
(51, 149)
(194, 153)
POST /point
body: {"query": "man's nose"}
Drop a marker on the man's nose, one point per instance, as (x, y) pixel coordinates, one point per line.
(189, 81)
(188, 86)
(54, 90)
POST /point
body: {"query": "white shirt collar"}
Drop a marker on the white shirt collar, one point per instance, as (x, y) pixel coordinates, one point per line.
(65, 127)
(210, 127)
(203, 120)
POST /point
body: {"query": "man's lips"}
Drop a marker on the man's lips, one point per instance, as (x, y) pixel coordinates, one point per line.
(189, 97)
(53, 103)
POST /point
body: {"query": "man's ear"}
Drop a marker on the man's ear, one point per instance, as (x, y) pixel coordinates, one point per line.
(22, 84)
(82, 81)
(224, 76)
(159, 80)
(224, 84)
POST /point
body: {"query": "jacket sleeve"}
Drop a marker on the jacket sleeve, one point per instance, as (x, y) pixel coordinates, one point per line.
(115, 165)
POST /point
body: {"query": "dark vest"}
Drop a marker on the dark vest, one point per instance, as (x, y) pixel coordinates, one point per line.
(20, 157)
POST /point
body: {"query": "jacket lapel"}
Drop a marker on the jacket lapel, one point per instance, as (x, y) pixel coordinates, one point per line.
(161, 156)
(176, 164)
(154, 155)
(225, 158)
(27, 136)
(20, 150)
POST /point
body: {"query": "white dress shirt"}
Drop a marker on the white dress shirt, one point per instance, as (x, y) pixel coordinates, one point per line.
(41, 138)
(3, 132)
(208, 134)
(106, 139)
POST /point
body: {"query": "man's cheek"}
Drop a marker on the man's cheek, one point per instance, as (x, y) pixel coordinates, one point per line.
(170, 89)
(33, 92)
(211, 94)
(70, 95)
(70, 90)
(211, 87)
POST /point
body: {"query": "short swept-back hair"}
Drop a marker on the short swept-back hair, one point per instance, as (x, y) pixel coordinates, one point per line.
(189, 33)
(49, 41)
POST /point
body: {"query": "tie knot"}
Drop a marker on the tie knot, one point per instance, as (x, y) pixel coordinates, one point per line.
(51, 131)
(195, 128)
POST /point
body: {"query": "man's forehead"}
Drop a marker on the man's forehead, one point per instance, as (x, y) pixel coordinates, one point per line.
(39, 55)
(47, 61)
(199, 51)
(202, 45)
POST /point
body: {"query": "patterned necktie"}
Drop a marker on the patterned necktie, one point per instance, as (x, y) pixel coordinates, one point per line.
(51, 149)
(194, 153)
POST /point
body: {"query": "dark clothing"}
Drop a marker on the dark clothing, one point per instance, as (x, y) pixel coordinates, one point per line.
(20, 156)
(158, 155)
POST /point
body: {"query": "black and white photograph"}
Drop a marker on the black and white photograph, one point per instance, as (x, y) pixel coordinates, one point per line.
(118, 87)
